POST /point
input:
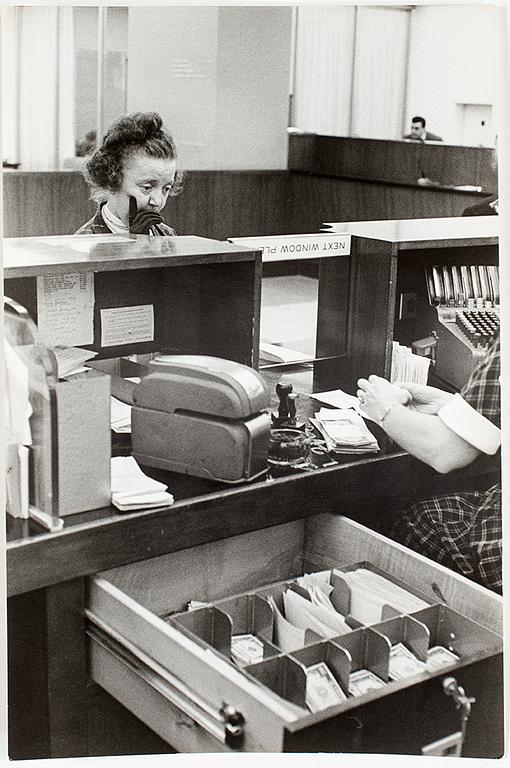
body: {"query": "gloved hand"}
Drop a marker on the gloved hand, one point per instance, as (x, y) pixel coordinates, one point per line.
(146, 222)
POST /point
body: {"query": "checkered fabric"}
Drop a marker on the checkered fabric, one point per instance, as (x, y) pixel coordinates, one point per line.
(463, 531)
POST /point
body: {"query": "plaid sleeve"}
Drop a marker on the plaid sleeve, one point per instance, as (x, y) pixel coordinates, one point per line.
(483, 390)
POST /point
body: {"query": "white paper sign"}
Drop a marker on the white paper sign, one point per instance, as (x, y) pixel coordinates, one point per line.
(289, 247)
(65, 309)
(127, 325)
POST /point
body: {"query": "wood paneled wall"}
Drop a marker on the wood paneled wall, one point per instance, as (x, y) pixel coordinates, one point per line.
(392, 161)
(44, 202)
(325, 198)
(223, 204)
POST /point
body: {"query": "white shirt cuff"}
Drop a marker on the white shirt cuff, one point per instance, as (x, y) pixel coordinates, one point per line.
(467, 423)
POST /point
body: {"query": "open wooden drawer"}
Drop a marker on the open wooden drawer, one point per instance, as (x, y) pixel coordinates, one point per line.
(171, 667)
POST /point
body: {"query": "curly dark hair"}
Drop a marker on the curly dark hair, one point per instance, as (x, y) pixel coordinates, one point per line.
(131, 133)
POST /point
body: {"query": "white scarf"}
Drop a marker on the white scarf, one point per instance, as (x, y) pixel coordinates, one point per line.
(113, 222)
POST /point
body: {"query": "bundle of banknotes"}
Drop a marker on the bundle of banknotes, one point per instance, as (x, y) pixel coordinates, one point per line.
(363, 680)
(246, 649)
(322, 690)
(403, 663)
(344, 431)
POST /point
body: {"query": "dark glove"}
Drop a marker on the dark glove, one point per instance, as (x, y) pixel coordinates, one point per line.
(146, 222)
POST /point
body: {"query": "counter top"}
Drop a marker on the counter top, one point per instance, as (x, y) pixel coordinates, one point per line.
(28, 256)
(206, 511)
(411, 234)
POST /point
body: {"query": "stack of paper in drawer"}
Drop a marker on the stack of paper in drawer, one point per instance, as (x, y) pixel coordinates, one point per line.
(370, 592)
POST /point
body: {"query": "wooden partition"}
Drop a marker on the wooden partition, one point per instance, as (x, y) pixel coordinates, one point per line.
(205, 295)
(399, 162)
(213, 204)
(223, 204)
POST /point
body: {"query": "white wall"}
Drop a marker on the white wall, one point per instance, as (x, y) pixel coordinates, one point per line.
(219, 78)
(252, 97)
(453, 58)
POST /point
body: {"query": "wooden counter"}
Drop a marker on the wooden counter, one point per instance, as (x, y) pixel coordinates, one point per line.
(65, 714)
(398, 162)
(47, 580)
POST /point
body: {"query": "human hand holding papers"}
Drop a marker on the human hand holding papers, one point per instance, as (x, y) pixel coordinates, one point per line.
(132, 489)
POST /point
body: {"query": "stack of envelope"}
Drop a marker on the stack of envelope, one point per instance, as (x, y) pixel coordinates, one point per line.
(344, 431)
(370, 592)
(132, 489)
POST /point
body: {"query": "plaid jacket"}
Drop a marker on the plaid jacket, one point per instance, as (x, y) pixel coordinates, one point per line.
(463, 531)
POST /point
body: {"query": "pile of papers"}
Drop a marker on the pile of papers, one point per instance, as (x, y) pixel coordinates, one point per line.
(344, 431)
(370, 592)
(305, 614)
(71, 359)
(132, 489)
(408, 367)
(120, 413)
(274, 353)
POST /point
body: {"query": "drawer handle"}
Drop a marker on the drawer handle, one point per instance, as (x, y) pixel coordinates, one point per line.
(462, 702)
(226, 725)
(234, 726)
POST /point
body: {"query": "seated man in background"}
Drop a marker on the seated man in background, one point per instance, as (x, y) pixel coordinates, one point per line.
(418, 132)
(462, 530)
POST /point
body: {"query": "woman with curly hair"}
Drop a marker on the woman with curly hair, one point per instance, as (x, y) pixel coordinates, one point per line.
(131, 176)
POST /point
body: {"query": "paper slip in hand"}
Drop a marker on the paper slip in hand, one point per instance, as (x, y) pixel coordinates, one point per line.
(287, 637)
(339, 399)
(403, 663)
(362, 681)
(438, 657)
(246, 649)
(304, 614)
(322, 690)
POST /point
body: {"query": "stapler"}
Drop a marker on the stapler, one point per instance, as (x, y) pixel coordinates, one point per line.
(201, 416)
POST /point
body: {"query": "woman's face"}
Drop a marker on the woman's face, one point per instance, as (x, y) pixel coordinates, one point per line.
(148, 180)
